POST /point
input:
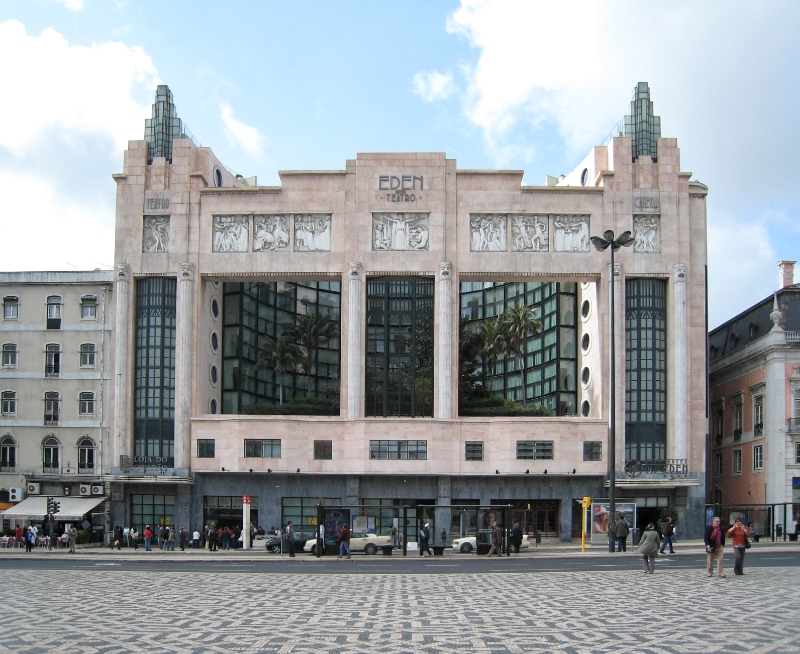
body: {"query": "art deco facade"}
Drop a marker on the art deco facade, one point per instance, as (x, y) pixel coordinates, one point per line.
(406, 255)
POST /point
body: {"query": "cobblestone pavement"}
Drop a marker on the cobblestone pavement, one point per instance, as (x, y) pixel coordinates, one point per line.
(95, 610)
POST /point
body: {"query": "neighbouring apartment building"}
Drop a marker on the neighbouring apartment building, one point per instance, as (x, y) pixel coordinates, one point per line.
(55, 335)
(337, 336)
(754, 427)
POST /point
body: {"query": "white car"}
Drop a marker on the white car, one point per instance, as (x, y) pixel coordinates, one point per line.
(359, 542)
(467, 545)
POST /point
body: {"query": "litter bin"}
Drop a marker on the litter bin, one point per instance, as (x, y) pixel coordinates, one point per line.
(538, 537)
(635, 535)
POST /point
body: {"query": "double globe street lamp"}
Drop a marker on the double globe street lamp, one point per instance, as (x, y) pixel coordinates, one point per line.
(601, 244)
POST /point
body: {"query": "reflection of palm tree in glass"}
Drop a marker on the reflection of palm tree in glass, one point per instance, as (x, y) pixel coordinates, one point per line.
(518, 322)
(493, 344)
(280, 355)
(308, 333)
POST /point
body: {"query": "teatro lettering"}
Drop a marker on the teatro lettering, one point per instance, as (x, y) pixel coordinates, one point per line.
(399, 185)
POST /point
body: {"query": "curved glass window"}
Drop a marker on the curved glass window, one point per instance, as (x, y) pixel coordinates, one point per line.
(50, 453)
(86, 450)
(8, 452)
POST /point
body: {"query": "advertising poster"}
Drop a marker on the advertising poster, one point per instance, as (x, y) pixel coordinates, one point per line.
(360, 524)
(335, 519)
(601, 517)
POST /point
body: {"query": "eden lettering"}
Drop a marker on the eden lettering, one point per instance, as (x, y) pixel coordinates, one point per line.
(400, 183)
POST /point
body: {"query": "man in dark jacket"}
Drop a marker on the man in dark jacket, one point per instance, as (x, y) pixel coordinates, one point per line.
(497, 540)
(667, 531)
(515, 538)
(424, 540)
(621, 531)
(715, 543)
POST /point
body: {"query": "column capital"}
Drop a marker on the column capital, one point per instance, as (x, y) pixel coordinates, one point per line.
(355, 270)
(123, 272)
(679, 272)
(187, 271)
(617, 272)
(445, 270)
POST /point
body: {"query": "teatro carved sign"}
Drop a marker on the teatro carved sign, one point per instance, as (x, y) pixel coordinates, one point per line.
(402, 188)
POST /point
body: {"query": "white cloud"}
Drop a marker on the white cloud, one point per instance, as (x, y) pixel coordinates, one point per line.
(72, 5)
(70, 88)
(245, 136)
(65, 233)
(433, 85)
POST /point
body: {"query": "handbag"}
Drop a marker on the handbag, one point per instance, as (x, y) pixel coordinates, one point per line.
(747, 544)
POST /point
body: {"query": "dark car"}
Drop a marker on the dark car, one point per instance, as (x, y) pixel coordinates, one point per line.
(300, 538)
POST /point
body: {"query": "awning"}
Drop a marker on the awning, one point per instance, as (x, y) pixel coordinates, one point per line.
(35, 508)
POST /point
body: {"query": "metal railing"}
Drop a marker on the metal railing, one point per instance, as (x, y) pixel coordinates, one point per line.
(657, 467)
(794, 424)
(717, 440)
(758, 429)
(737, 434)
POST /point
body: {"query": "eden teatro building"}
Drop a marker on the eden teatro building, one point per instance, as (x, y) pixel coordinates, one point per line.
(406, 333)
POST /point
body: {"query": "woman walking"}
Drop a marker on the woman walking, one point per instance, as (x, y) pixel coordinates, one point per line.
(648, 548)
(739, 535)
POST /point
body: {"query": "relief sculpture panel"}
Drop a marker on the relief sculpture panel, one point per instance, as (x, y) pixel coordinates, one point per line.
(156, 234)
(270, 233)
(646, 237)
(488, 232)
(400, 231)
(529, 233)
(231, 234)
(312, 232)
(570, 233)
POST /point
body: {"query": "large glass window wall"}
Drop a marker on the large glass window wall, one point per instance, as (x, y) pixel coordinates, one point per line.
(153, 510)
(255, 310)
(550, 356)
(645, 369)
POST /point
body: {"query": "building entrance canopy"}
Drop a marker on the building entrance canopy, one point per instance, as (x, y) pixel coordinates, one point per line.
(35, 508)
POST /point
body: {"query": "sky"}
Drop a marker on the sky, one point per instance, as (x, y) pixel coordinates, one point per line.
(517, 84)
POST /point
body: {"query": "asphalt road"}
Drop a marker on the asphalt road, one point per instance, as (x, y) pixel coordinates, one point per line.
(371, 565)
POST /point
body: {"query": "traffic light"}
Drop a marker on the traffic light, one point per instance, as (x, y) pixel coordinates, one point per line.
(50, 504)
(587, 502)
(56, 506)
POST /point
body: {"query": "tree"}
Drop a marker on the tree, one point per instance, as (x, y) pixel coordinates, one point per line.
(280, 355)
(517, 323)
(309, 332)
(493, 343)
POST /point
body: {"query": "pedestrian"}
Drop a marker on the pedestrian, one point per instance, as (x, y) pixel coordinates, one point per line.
(515, 539)
(344, 541)
(714, 539)
(497, 539)
(195, 539)
(160, 536)
(424, 540)
(117, 538)
(207, 537)
(126, 536)
(148, 538)
(621, 531)
(73, 537)
(444, 537)
(667, 531)
(18, 535)
(739, 535)
(29, 539)
(393, 534)
(226, 538)
(183, 536)
(134, 538)
(171, 540)
(290, 537)
(212, 539)
(648, 548)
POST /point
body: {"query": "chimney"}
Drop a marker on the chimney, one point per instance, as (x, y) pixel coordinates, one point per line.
(785, 273)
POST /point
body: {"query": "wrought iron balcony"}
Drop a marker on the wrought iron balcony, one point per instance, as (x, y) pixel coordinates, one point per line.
(794, 425)
(717, 440)
(49, 470)
(657, 468)
(758, 429)
(737, 434)
(51, 419)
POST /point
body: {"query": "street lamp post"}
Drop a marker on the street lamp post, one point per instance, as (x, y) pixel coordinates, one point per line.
(601, 244)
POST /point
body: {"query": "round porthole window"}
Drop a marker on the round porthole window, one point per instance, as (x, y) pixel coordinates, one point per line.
(218, 177)
(214, 340)
(215, 308)
(586, 408)
(213, 374)
(212, 406)
(586, 376)
(585, 343)
(586, 309)
(585, 177)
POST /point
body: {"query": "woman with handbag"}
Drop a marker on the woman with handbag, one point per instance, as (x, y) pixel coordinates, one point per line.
(648, 548)
(739, 534)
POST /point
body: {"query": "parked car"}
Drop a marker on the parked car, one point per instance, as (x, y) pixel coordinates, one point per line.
(300, 539)
(467, 545)
(359, 542)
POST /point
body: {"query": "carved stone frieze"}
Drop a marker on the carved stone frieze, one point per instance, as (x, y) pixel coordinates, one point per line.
(355, 270)
(187, 271)
(231, 234)
(155, 237)
(312, 232)
(271, 233)
(570, 233)
(445, 270)
(400, 231)
(488, 232)
(123, 272)
(646, 233)
(529, 233)
(680, 271)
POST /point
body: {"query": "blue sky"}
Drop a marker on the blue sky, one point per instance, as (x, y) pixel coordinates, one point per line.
(515, 84)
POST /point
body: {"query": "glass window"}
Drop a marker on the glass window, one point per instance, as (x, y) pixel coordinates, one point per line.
(86, 450)
(473, 451)
(269, 448)
(10, 308)
(535, 450)
(9, 355)
(592, 451)
(737, 462)
(323, 450)
(88, 354)
(718, 496)
(758, 458)
(718, 464)
(758, 415)
(153, 510)
(797, 452)
(50, 452)
(9, 403)
(87, 404)
(8, 452)
(402, 450)
(737, 421)
(52, 360)
(52, 408)
(89, 307)
(206, 448)
(54, 312)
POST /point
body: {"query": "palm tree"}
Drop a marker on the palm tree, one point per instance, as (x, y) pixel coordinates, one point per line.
(493, 343)
(517, 323)
(280, 355)
(309, 332)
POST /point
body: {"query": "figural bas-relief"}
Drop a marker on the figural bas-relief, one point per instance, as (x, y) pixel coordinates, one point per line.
(529, 233)
(270, 233)
(488, 232)
(646, 234)
(399, 231)
(570, 233)
(156, 234)
(231, 234)
(312, 232)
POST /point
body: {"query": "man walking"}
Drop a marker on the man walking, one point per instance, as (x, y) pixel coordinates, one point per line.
(148, 538)
(667, 530)
(290, 536)
(621, 531)
(183, 536)
(497, 539)
(715, 543)
(424, 540)
(344, 541)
